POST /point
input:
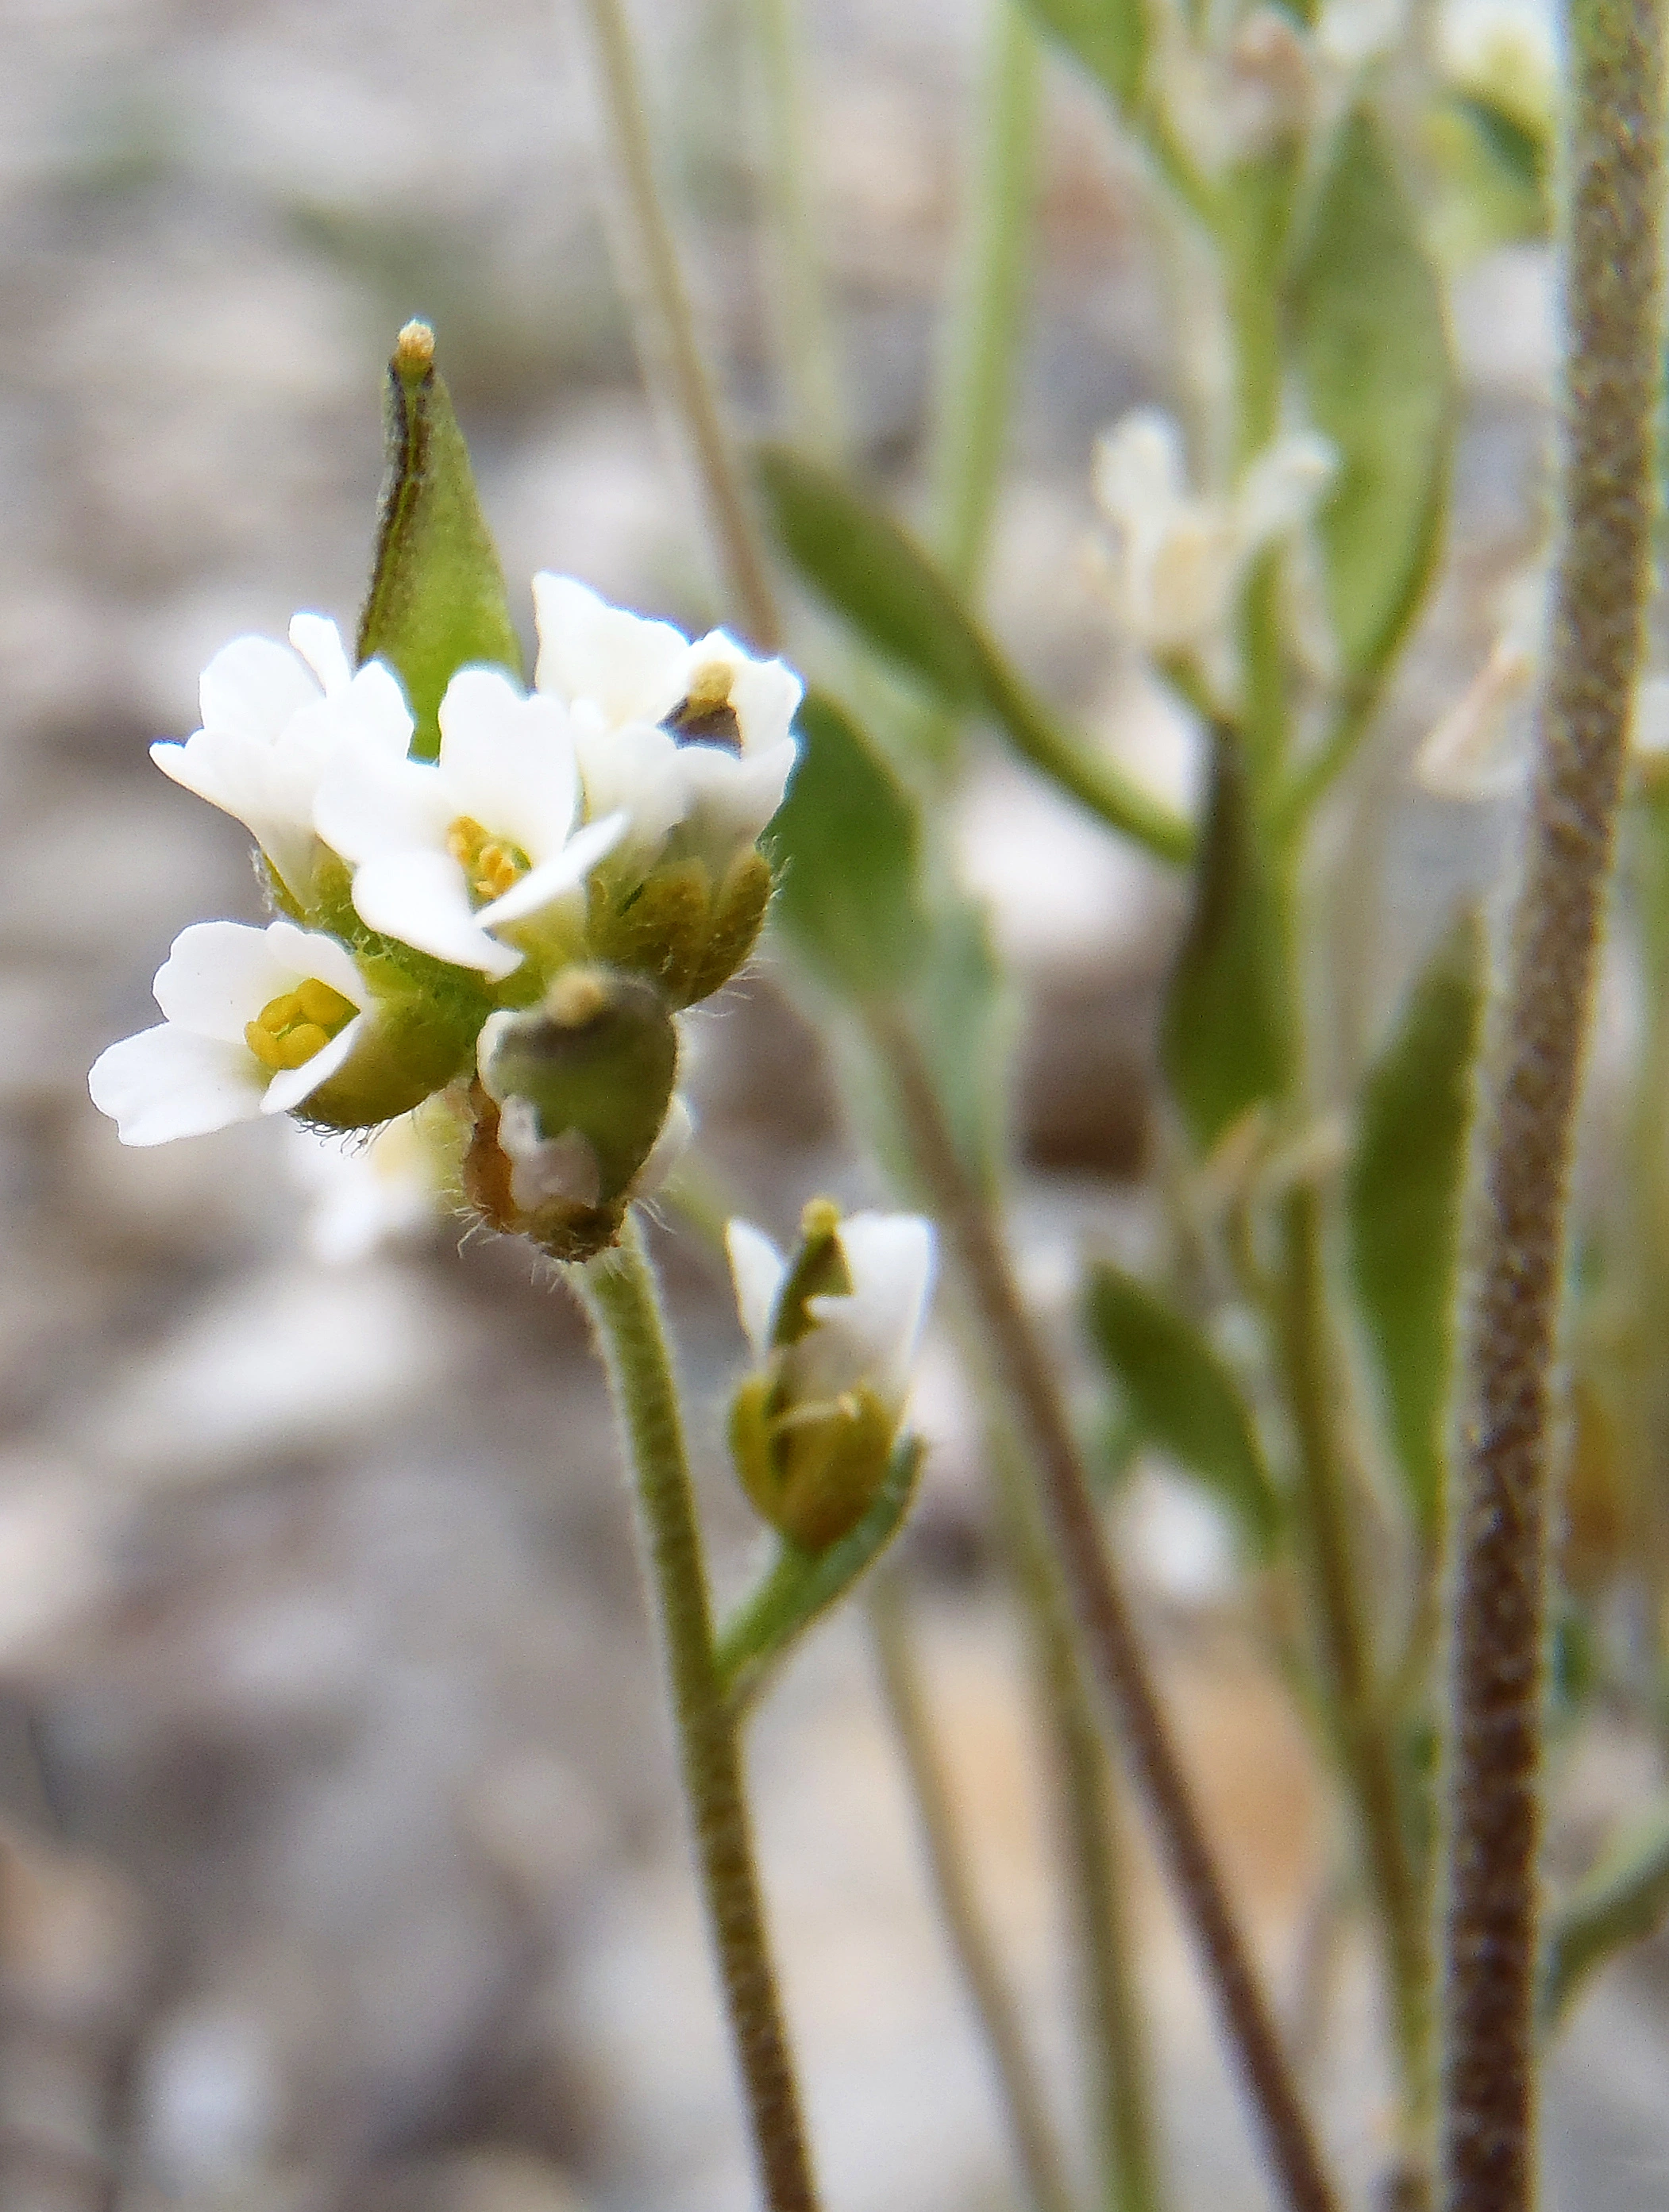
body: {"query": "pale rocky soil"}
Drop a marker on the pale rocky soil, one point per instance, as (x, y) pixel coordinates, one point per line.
(340, 1869)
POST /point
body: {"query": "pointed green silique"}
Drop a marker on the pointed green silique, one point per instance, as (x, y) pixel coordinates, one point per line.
(437, 601)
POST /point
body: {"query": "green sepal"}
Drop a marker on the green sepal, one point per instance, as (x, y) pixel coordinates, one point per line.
(437, 600)
(1177, 1394)
(800, 1586)
(811, 1471)
(678, 927)
(1371, 344)
(1227, 1034)
(1403, 1193)
(599, 1057)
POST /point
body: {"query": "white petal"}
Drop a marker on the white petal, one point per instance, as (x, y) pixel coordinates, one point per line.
(378, 701)
(369, 806)
(421, 898)
(290, 1085)
(166, 1082)
(732, 799)
(310, 952)
(252, 686)
(890, 1259)
(631, 670)
(765, 694)
(757, 1269)
(677, 1134)
(508, 760)
(254, 782)
(319, 641)
(218, 976)
(1139, 473)
(563, 1167)
(555, 877)
(639, 769)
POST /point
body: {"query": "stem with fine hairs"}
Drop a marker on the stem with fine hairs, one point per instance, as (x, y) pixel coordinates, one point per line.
(619, 1293)
(1515, 1218)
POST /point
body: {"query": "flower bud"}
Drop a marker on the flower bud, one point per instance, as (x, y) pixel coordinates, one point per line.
(679, 925)
(834, 1332)
(574, 1110)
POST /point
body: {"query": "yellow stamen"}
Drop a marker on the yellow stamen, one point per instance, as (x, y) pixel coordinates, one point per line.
(291, 1028)
(705, 716)
(490, 865)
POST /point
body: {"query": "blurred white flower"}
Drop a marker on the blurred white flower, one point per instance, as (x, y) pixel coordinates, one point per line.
(366, 1194)
(692, 740)
(1504, 52)
(445, 852)
(1173, 560)
(256, 1021)
(273, 718)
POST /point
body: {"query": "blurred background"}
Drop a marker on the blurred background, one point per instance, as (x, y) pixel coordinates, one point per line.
(340, 1865)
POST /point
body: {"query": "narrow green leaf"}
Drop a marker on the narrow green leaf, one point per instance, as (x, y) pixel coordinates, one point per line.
(848, 841)
(876, 576)
(1624, 1900)
(1226, 1038)
(960, 1010)
(437, 599)
(1372, 349)
(1178, 1395)
(802, 1585)
(1403, 1202)
(1108, 37)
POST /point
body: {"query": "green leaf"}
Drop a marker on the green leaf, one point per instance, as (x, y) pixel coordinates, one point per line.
(888, 588)
(1624, 1900)
(1178, 1395)
(1372, 350)
(1403, 1202)
(960, 1010)
(802, 1585)
(1226, 1037)
(848, 841)
(437, 599)
(1108, 37)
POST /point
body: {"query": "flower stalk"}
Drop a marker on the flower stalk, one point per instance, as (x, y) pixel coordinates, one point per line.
(1516, 1221)
(619, 1293)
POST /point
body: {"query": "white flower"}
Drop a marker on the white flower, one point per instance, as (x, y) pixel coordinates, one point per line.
(866, 1338)
(445, 852)
(256, 1020)
(1175, 560)
(273, 719)
(708, 782)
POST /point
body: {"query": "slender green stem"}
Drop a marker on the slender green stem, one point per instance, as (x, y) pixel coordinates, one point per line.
(680, 361)
(976, 386)
(805, 340)
(1022, 1371)
(1355, 1709)
(619, 1293)
(1120, 2088)
(1031, 2127)
(1515, 1217)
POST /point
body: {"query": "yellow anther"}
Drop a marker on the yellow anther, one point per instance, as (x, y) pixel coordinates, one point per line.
(710, 687)
(291, 1028)
(705, 716)
(490, 865)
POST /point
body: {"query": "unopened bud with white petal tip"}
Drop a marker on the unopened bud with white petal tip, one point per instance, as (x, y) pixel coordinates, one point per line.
(575, 1110)
(833, 1330)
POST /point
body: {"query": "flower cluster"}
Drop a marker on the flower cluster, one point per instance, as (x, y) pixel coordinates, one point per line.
(578, 863)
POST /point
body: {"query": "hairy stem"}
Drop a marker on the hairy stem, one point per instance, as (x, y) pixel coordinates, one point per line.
(1516, 1204)
(1031, 2127)
(619, 1293)
(1022, 1371)
(680, 361)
